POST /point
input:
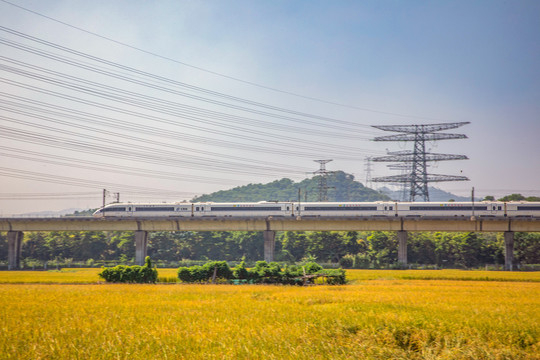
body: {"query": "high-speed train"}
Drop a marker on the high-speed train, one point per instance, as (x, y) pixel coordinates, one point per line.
(322, 209)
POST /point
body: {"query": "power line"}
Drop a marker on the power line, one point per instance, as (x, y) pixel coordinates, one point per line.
(214, 72)
(160, 79)
(65, 180)
(126, 126)
(161, 119)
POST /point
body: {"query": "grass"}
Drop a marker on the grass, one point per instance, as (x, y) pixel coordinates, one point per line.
(382, 314)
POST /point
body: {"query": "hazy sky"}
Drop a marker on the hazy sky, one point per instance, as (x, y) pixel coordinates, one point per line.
(164, 100)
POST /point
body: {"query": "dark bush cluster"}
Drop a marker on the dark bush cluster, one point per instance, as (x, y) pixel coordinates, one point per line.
(262, 273)
(131, 274)
(205, 272)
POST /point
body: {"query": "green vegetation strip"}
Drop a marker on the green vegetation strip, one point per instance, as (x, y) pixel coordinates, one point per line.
(90, 276)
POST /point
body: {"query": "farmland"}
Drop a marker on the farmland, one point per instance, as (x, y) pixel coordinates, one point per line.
(379, 315)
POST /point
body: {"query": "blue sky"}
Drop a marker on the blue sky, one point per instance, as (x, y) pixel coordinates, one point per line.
(390, 62)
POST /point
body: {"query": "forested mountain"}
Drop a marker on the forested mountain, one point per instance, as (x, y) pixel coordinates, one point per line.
(342, 187)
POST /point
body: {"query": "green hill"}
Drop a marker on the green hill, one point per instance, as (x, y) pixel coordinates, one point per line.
(342, 188)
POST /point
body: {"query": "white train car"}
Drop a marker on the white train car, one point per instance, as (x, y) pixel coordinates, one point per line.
(450, 209)
(522, 209)
(145, 210)
(259, 209)
(331, 209)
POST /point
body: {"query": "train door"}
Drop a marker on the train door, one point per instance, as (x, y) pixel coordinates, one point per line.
(288, 208)
(201, 209)
(385, 209)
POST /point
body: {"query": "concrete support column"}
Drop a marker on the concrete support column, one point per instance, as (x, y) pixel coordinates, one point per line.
(402, 246)
(269, 245)
(508, 250)
(141, 242)
(15, 239)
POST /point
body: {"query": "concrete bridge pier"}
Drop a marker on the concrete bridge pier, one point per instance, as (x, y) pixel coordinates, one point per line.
(15, 239)
(141, 242)
(508, 250)
(402, 246)
(269, 245)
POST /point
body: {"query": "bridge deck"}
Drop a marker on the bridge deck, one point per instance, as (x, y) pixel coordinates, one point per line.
(477, 224)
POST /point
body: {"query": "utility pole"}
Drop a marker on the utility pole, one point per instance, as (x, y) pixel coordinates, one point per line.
(418, 178)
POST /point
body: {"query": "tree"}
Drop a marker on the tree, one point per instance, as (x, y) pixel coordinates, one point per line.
(421, 248)
(3, 247)
(296, 243)
(248, 245)
(527, 248)
(163, 245)
(383, 247)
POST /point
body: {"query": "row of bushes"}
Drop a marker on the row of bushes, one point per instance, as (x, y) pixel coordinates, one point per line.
(262, 273)
(131, 274)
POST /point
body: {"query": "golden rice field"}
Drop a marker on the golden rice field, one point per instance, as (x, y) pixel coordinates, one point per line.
(380, 315)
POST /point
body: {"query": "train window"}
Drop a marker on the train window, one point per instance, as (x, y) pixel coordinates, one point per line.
(202, 208)
(197, 208)
(499, 208)
(391, 208)
(287, 208)
(386, 208)
(297, 208)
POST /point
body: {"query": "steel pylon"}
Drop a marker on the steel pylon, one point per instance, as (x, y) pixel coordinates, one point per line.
(418, 178)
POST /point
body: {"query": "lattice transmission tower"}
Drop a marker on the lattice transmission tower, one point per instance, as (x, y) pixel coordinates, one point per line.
(404, 169)
(323, 179)
(368, 167)
(418, 177)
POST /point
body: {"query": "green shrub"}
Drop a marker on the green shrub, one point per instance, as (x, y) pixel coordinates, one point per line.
(130, 274)
(221, 268)
(334, 276)
(240, 271)
(312, 267)
(263, 272)
(206, 272)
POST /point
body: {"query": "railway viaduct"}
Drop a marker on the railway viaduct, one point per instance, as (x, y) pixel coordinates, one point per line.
(15, 227)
